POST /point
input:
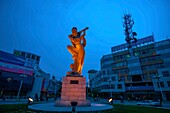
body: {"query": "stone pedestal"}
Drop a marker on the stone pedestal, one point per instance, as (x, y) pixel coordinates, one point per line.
(73, 89)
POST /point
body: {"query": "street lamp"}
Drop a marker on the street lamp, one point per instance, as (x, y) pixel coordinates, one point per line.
(23, 75)
(91, 90)
(87, 89)
(19, 89)
(158, 77)
(110, 86)
(111, 99)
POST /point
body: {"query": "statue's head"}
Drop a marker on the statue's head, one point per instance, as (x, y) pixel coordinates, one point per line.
(74, 31)
(74, 28)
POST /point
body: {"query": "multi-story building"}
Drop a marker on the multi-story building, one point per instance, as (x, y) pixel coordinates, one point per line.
(131, 72)
(13, 73)
(21, 69)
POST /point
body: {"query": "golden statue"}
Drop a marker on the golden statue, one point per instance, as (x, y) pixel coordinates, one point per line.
(77, 50)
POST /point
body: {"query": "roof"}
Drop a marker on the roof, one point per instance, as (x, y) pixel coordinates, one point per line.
(10, 58)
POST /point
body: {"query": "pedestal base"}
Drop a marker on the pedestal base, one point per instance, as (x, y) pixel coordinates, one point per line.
(64, 103)
(73, 89)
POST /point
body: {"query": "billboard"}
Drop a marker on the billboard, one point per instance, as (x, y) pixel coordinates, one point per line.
(11, 63)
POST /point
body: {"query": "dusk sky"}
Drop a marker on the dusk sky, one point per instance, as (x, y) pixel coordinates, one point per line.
(42, 27)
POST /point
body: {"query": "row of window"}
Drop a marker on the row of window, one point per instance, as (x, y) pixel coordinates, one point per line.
(162, 84)
(106, 60)
(165, 73)
(112, 86)
(119, 64)
(107, 79)
(152, 58)
(143, 52)
(121, 71)
(155, 66)
(106, 66)
(121, 57)
(163, 47)
(119, 86)
(27, 55)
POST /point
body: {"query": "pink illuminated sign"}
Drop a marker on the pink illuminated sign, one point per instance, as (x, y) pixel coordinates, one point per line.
(18, 70)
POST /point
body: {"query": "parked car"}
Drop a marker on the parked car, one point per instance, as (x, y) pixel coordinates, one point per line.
(155, 103)
(149, 103)
(144, 102)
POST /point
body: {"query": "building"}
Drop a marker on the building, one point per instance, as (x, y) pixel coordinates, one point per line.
(31, 60)
(40, 85)
(54, 87)
(163, 76)
(21, 69)
(131, 72)
(92, 81)
(13, 73)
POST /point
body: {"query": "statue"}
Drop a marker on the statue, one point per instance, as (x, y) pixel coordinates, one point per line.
(77, 50)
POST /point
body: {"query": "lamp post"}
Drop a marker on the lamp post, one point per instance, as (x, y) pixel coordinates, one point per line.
(158, 77)
(111, 99)
(91, 90)
(22, 75)
(87, 89)
(110, 86)
(19, 89)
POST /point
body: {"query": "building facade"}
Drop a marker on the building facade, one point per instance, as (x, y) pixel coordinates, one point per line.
(13, 73)
(131, 73)
(21, 69)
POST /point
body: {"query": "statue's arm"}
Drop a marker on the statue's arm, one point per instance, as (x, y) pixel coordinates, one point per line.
(83, 30)
(71, 39)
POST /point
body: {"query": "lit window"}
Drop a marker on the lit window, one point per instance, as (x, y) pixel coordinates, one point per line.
(168, 82)
(119, 86)
(165, 73)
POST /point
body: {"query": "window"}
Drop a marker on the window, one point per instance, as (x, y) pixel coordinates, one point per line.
(152, 75)
(104, 73)
(119, 86)
(38, 58)
(161, 83)
(112, 86)
(128, 55)
(23, 54)
(137, 54)
(165, 73)
(28, 55)
(142, 60)
(157, 84)
(168, 82)
(113, 78)
(105, 79)
(33, 57)
(143, 52)
(121, 78)
(129, 78)
(136, 78)
(105, 87)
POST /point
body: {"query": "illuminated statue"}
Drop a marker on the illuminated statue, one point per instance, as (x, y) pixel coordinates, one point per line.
(77, 50)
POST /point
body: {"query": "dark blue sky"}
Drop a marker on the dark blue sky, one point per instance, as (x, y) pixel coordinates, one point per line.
(42, 27)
